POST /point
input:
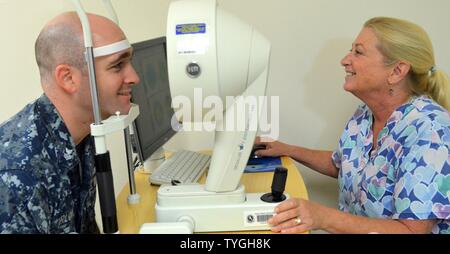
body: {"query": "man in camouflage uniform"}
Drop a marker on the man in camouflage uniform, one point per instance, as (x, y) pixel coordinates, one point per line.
(47, 174)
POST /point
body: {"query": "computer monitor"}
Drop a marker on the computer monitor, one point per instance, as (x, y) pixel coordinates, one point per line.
(153, 127)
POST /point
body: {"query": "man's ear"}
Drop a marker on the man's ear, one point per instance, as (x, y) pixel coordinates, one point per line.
(399, 73)
(66, 79)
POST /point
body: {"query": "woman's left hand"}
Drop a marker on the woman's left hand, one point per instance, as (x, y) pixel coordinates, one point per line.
(296, 216)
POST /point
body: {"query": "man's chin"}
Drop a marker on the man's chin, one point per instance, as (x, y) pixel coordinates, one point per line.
(122, 111)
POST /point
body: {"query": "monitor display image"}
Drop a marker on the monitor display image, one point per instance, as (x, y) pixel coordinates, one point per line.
(153, 125)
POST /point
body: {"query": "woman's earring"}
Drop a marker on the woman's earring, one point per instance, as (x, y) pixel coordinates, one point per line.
(391, 90)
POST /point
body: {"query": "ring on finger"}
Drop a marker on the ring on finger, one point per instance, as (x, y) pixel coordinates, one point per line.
(298, 220)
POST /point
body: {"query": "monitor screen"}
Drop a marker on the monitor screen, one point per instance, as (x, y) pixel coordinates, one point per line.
(153, 126)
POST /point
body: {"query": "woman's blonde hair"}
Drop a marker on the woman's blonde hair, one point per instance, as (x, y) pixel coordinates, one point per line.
(401, 40)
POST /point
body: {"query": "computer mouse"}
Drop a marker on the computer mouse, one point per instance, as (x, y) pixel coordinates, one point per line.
(175, 182)
(256, 148)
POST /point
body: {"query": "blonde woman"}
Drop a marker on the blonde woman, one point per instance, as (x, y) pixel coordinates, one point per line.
(392, 162)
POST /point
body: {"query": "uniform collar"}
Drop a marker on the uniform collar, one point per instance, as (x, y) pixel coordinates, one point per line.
(58, 132)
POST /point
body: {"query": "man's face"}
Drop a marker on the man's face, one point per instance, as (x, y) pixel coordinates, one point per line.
(114, 73)
(115, 76)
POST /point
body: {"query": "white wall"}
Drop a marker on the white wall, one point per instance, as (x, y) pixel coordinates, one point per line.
(308, 40)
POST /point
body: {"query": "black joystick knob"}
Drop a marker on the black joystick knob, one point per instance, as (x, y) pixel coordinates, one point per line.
(278, 184)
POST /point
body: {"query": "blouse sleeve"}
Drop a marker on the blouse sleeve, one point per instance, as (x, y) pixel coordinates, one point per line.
(336, 157)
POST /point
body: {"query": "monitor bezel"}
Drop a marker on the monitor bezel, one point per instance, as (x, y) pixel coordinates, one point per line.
(146, 153)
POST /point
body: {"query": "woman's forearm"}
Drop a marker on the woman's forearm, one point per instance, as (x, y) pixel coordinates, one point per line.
(338, 222)
(319, 161)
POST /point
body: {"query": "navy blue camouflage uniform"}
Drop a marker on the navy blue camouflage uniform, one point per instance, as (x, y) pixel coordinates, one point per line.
(47, 184)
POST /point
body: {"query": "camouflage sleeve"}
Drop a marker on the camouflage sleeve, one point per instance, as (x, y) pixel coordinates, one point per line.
(21, 207)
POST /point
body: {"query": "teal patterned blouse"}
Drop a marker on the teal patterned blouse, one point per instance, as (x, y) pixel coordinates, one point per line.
(408, 175)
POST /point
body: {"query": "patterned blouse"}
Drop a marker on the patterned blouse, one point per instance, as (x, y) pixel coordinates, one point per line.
(408, 175)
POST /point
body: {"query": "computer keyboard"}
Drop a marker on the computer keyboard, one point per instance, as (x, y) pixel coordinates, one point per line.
(181, 168)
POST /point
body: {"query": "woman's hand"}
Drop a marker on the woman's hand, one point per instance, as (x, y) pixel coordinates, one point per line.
(297, 216)
(273, 148)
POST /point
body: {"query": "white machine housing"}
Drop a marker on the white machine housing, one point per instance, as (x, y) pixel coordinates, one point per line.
(210, 49)
(233, 59)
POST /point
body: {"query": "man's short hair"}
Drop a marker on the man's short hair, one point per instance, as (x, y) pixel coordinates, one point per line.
(59, 44)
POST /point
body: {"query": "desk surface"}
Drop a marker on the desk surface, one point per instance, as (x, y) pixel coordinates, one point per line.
(131, 217)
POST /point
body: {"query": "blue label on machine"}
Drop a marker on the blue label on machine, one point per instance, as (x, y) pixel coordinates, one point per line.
(199, 28)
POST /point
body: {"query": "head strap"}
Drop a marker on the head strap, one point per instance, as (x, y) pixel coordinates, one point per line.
(111, 48)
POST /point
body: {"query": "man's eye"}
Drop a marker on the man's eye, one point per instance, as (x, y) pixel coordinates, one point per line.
(118, 66)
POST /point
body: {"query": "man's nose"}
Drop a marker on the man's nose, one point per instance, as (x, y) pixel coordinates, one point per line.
(132, 77)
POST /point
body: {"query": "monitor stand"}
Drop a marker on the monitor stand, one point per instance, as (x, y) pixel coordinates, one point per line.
(154, 161)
